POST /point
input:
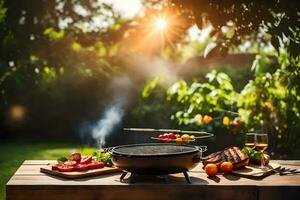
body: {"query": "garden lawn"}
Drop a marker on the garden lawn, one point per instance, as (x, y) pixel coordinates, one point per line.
(13, 154)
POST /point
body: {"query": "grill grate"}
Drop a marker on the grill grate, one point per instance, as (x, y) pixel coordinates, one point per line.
(154, 149)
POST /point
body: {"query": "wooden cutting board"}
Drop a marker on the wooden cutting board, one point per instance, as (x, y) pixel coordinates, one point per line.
(73, 175)
(254, 171)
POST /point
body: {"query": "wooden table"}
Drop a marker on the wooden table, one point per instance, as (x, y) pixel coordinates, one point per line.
(29, 183)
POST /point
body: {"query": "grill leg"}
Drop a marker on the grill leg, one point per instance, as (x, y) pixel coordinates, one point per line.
(187, 177)
(123, 176)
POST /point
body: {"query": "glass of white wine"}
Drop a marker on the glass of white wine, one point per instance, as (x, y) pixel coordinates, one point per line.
(250, 140)
(261, 144)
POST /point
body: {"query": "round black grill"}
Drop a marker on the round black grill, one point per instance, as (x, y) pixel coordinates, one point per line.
(153, 149)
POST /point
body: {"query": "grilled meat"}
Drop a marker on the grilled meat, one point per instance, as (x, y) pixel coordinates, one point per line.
(231, 154)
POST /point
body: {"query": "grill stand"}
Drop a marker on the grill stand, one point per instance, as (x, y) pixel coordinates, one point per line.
(132, 178)
(187, 177)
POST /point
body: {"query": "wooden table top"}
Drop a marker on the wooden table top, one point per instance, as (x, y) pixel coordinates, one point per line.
(28, 180)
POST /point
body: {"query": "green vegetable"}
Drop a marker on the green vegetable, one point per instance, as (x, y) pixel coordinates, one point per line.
(104, 157)
(62, 159)
(95, 154)
(253, 154)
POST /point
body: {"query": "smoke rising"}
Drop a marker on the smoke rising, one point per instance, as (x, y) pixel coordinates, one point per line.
(122, 90)
(111, 118)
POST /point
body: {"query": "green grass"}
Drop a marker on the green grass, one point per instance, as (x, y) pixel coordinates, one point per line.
(13, 154)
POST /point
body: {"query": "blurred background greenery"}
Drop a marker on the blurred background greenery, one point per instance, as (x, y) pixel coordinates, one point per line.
(225, 67)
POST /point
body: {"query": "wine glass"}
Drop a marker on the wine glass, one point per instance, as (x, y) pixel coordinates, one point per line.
(250, 140)
(261, 144)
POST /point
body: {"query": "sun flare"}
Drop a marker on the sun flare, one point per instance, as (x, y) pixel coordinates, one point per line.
(161, 24)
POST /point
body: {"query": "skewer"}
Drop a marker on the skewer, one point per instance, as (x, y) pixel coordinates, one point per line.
(203, 134)
(152, 130)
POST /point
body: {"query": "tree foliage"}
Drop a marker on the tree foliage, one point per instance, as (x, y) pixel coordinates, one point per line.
(52, 50)
(278, 18)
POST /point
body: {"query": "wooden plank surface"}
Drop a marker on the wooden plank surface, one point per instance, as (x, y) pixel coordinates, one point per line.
(134, 192)
(29, 183)
(32, 172)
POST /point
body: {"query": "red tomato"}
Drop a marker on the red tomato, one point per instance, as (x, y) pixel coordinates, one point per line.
(161, 138)
(55, 166)
(81, 167)
(75, 157)
(95, 165)
(226, 167)
(65, 168)
(166, 135)
(171, 136)
(70, 163)
(86, 160)
(177, 136)
(211, 169)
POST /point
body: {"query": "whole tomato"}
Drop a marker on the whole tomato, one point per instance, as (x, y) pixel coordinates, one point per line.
(211, 169)
(161, 138)
(226, 167)
(171, 136)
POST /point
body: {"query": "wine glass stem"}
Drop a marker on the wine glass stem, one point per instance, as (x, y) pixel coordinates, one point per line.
(262, 161)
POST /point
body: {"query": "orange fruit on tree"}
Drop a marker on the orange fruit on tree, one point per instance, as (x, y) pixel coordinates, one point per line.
(226, 121)
(207, 119)
(211, 169)
(269, 106)
(226, 167)
(198, 120)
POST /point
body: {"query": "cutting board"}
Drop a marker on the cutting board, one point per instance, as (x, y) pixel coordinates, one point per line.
(254, 171)
(73, 175)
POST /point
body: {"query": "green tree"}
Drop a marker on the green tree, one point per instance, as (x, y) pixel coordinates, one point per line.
(52, 50)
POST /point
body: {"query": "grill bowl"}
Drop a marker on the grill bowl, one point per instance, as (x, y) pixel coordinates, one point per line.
(156, 158)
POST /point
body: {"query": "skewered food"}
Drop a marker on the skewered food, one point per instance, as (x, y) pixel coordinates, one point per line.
(179, 139)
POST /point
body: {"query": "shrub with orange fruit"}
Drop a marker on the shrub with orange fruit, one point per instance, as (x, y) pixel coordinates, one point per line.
(207, 119)
(269, 106)
(226, 121)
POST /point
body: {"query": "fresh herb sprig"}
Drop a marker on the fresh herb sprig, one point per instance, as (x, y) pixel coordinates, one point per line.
(62, 159)
(253, 154)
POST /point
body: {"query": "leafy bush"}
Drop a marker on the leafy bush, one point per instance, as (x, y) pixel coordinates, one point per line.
(212, 98)
(266, 104)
